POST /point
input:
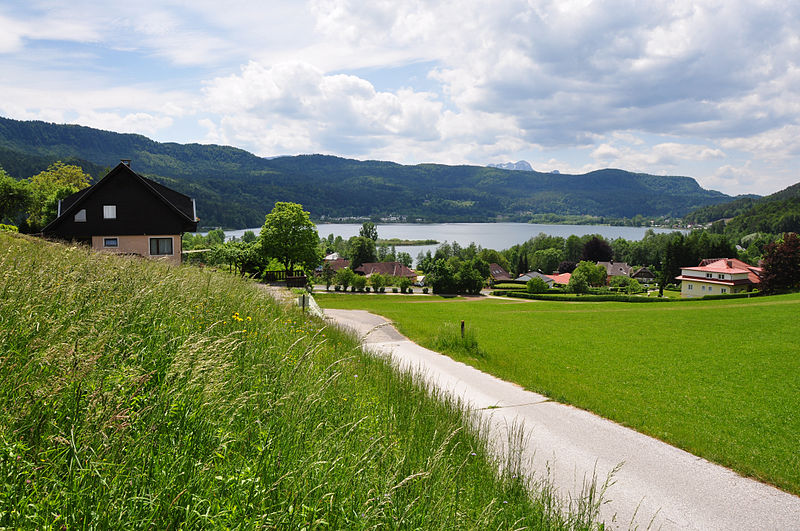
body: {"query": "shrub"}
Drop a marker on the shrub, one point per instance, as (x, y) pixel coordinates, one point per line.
(536, 285)
(8, 228)
(382, 290)
(367, 289)
(403, 283)
(394, 290)
(425, 291)
(410, 290)
(359, 282)
(337, 287)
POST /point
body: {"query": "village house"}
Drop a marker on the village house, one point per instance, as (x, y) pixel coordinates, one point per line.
(535, 274)
(719, 276)
(126, 213)
(497, 273)
(390, 269)
(561, 279)
(615, 269)
(644, 276)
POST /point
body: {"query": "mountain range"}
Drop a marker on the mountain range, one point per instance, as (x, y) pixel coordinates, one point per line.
(235, 189)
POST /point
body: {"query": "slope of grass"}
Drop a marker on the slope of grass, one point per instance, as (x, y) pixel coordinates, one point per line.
(718, 378)
(135, 395)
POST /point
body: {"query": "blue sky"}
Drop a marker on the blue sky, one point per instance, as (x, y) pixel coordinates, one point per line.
(708, 89)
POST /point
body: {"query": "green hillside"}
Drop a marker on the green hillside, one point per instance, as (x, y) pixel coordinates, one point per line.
(234, 188)
(773, 214)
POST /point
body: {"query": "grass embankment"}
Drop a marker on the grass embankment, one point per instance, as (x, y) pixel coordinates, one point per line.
(718, 378)
(137, 395)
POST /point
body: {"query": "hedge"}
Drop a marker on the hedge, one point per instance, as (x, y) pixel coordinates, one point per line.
(578, 298)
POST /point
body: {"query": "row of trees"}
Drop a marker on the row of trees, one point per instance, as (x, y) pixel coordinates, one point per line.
(32, 203)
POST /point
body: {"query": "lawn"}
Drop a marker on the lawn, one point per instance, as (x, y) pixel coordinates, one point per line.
(720, 379)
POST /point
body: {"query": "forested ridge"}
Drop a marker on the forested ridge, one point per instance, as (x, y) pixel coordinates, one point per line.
(234, 188)
(774, 214)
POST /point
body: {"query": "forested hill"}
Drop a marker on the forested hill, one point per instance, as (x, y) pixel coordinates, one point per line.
(774, 214)
(235, 188)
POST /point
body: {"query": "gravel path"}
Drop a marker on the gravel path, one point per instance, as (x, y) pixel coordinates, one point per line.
(656, 485)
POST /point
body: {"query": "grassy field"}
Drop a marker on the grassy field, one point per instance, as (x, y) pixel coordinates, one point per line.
(138, 395)
(720, 379)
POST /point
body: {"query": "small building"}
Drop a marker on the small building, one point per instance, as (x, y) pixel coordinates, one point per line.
(126, 213)
(336, 264)
(719, 276)
(390, 269)
(497, 273)
(644, 276)
(536, 274)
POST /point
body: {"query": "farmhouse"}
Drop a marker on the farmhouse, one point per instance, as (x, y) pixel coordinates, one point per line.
(126, 213)
(391, 269)
(719, 276)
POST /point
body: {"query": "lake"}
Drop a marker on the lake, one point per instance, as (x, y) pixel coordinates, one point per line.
(497, 236)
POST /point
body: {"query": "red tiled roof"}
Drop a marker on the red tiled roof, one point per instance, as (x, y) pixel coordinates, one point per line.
(392, 269)
(338, 264)
(731, 266)
(561, 278)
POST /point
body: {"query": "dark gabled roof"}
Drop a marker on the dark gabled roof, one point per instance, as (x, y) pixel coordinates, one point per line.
(498, 273)
(182, 205)
(643, 272)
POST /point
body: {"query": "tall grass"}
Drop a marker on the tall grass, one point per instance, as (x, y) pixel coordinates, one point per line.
(138, 395)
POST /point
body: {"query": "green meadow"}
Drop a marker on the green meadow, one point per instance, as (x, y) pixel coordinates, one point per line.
(720, 379)
(138, 395)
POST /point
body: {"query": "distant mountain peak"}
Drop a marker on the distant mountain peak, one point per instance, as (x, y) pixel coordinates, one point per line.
(520, 165)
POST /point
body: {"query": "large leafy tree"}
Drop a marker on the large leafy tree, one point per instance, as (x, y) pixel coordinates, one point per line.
(14, 198)
(361, 250)
(46, 188)
(782, 265)
(369, 230)
(289, 236)
(597, 250)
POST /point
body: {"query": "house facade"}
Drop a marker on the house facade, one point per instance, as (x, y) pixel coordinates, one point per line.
(719, 276)
(128, 214)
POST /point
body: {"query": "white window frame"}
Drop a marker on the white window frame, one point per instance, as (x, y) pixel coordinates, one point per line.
(109, 211)
(107, 242)
(80, 216)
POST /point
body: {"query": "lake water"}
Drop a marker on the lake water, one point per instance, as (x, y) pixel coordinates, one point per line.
(497, 236)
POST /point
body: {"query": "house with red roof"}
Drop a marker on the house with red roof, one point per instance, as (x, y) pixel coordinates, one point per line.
(561, 279)
(719, 276)
(390, 269)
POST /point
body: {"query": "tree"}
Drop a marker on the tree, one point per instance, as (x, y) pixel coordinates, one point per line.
(377, 281)
(597, 250)
(289, 236)
(546, 260)
(327, 274)
(468, 278)
(344, 277)
(442, 277)
(362, 251)
(368, 230)
(594, 275)
(782, 265)
(536, 285)
(14, 198)
(573, 248)
(49, 186)
(567, 266)
(404, 258)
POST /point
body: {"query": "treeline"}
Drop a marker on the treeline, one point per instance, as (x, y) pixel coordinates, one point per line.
(32, 203)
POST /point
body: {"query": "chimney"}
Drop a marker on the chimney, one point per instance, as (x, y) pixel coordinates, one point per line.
(730, 264)
(126, 162)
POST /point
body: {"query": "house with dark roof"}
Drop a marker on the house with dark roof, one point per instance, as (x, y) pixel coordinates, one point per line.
(715, 276)
(497, 273)
(616, 269)
(126, 213)
(536, 274)
(644, 276)
(391, 269)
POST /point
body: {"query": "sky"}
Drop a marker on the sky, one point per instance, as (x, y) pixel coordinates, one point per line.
(706, 89)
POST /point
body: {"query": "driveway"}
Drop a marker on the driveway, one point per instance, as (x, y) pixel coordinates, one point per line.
(652, 484)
